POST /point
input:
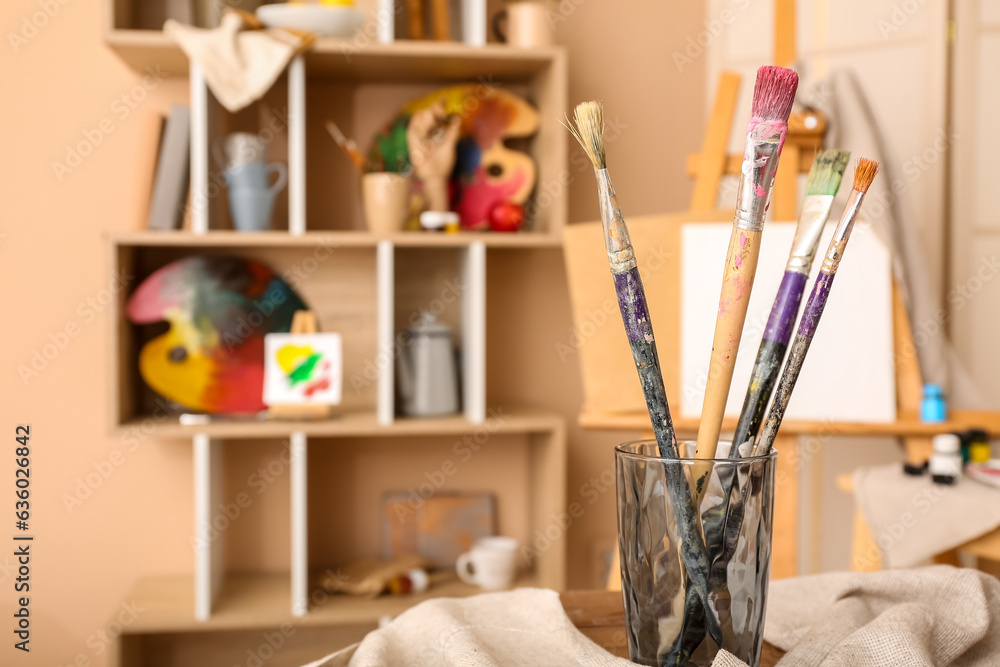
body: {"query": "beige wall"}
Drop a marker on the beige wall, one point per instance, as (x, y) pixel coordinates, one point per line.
(61, 84)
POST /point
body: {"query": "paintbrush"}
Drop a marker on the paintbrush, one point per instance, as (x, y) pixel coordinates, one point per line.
(349, 146)
(864, 174)
(821, 187)
(589, 131)
(722, 522)
(773, 95)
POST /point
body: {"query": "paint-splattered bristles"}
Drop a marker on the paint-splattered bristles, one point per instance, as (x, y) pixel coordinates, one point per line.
(864, 174)
(589, 130)
(774, 93)
(826, 172)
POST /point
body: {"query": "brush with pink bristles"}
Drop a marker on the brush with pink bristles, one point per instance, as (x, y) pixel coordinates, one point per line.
(773, 95)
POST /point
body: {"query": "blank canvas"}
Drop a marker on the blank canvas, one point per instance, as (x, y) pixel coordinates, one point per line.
(849, 374)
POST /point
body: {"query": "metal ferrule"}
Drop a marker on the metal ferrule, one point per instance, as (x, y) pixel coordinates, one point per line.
(760, 164)
(839, 241)
(812, 219)
(621, 256)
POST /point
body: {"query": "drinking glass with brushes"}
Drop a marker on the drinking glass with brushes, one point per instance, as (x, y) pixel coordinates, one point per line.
(694, 518)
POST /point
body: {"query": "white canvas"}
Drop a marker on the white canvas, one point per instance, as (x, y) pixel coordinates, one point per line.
(849, 374)
(285, 353)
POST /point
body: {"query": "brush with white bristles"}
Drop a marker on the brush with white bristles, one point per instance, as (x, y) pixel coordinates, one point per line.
(589, 131)
(864, 174)
(773, 95)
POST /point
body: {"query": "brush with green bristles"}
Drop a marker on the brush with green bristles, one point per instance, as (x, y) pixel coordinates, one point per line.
(824, 181)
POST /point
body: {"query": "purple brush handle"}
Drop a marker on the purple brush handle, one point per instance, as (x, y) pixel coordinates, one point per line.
(786, 307)
(816, 304)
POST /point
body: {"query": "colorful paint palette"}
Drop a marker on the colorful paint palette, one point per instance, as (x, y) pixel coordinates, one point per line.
(486, 171)
(219, 309)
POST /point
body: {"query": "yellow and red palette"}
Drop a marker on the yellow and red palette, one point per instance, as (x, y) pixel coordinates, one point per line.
(219, 309)
(487, 173)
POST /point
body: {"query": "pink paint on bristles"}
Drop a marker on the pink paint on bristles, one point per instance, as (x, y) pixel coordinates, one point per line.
(774, 93)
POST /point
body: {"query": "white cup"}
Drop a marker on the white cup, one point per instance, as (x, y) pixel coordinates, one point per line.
(493, 562)
(238, 150)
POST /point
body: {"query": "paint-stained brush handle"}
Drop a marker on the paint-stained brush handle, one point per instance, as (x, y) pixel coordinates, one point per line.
(796, 356)
(767, 366)
(737, 283)
(864, 174)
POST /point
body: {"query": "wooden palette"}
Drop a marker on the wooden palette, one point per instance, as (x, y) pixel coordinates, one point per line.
(486, 171)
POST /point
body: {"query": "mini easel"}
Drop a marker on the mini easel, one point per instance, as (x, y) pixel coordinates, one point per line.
(303, 322)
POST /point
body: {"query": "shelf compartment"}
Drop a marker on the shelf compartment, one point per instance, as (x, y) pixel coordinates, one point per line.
(338, 284)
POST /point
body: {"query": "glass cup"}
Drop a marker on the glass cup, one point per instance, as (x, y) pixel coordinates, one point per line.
(694, 579)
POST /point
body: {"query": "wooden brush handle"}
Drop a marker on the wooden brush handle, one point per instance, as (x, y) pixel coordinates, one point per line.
(737, 282)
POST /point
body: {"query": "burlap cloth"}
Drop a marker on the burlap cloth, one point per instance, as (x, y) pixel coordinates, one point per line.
(935, 616)
(912, 518)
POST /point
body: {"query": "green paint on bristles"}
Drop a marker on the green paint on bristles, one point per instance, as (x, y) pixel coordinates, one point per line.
(827, 170)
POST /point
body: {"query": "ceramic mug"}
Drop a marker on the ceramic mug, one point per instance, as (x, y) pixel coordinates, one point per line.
(251, 209)
(255, 176)
(493, 562)
(527, 24)
(386, 198)
(238, 150)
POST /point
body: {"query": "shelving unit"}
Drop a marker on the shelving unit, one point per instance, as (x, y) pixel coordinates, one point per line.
(359, 284)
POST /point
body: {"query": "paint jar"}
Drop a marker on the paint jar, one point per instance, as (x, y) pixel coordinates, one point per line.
(932, 407)
(946, 461)
(979, 446)
(679, 610)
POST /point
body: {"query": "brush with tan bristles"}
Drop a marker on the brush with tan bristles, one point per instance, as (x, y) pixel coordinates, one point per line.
(589, 131)
(773, 95)
(864, 174)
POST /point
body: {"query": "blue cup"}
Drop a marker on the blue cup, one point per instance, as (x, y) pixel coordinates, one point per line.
(251, 209)
(251, 200)
(255, 176)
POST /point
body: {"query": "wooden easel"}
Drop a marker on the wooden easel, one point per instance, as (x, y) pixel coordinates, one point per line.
(303, 322)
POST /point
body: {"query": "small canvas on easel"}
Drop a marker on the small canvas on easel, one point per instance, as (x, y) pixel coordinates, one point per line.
(303, 369)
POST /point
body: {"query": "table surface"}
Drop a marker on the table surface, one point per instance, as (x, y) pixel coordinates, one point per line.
(600, 615)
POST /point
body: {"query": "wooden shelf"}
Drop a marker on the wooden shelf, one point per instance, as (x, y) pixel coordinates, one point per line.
(260, 600)
(361, 424)
(332, 239)
(356, 60)
(960, 420)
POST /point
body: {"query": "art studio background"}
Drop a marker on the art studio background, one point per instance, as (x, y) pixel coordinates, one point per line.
(114, 484)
